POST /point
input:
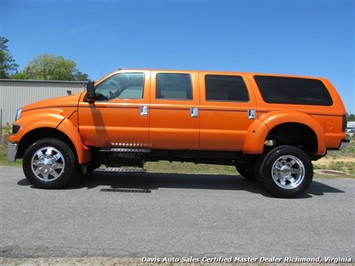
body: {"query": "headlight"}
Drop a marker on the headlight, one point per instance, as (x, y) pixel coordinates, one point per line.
(18, 114)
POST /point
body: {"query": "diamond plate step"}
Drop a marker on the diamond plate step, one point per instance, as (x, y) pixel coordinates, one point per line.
(125, 150)
(119, 170)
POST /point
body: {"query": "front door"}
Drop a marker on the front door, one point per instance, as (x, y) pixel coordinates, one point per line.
(119, 115)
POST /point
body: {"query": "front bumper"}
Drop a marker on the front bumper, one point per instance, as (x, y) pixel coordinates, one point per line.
(11, 152)
(344, 143)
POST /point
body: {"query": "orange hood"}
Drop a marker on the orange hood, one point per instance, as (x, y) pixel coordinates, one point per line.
(65, 101)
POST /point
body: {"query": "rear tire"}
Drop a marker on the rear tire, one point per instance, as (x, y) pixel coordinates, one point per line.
(49, 163)
(285, 171)
(246, 170)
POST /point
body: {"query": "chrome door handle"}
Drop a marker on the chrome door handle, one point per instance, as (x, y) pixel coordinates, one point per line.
(143, 110)
(194, 112)
(251, 114)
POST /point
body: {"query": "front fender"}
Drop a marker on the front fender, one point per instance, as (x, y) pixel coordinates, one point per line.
(259, 129)
(38, 120)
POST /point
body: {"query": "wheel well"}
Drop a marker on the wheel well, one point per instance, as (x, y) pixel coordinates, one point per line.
(295, 134)
(41, 133)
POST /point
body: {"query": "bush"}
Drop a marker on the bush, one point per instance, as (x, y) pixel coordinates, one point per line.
(5, 133)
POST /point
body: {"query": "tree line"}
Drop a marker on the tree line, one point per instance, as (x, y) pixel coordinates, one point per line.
(350, 117)
(42, 67)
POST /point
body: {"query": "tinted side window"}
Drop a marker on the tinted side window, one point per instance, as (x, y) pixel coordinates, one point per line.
(174, 86)
(226, 88)
(121, 86)
(293, 90)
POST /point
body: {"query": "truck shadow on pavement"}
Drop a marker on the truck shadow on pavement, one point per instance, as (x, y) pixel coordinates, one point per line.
(151, 182)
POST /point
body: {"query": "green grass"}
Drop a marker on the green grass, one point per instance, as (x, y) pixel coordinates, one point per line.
(189, 168)
(348, 167)
(348, 152)
(339, 160)
(5, 133)
(3, 160)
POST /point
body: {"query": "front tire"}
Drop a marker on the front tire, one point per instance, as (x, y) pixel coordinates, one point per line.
(285, 171)
(49, 163)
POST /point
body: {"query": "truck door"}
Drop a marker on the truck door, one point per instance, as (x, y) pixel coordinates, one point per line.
(227, 110)
(174, 110)
(119, 115)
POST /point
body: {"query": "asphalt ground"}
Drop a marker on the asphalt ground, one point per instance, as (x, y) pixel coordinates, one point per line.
(157, 216)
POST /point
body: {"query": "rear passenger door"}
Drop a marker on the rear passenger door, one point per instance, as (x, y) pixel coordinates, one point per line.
(174, 112)
(226, 112)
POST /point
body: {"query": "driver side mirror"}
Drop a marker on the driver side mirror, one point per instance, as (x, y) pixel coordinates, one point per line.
(91, 91)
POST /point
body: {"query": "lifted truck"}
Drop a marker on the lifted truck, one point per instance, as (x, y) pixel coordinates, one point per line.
(270, 127)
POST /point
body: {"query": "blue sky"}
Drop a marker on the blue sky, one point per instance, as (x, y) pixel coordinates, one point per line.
(314, 38)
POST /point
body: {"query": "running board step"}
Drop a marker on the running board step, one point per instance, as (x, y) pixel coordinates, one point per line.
(125, 150)
(119, 170)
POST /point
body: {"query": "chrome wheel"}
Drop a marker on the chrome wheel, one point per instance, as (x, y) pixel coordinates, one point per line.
(288, 172)
(285, 171)
(48, 164)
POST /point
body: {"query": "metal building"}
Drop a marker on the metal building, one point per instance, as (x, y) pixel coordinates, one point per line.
(17, 93)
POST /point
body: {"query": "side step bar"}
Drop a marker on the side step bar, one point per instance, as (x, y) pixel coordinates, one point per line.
(119, 170)
(125, 150)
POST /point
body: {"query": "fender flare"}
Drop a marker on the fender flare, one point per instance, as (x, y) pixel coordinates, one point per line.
(58, 122)
(71, 131)
(260, 128)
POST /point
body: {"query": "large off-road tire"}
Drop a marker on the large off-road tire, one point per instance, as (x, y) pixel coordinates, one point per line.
(285, 171)
(49, 163)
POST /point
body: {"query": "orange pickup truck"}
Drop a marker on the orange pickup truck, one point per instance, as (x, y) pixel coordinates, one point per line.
(270, 127)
